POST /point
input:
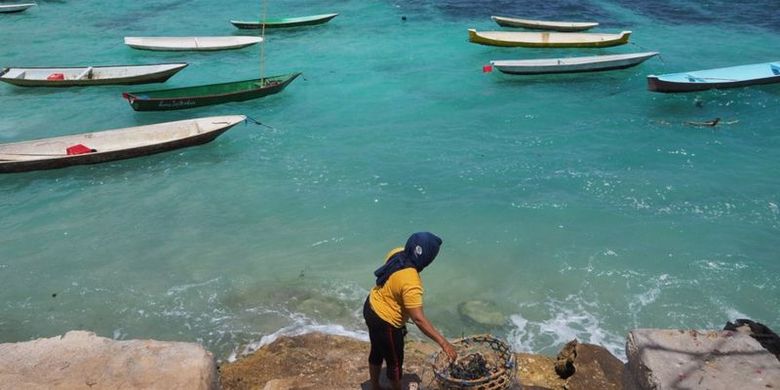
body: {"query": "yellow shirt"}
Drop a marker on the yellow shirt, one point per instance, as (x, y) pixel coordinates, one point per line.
(403, 290)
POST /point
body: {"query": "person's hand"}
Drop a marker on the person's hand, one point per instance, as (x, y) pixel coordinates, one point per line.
(452, 354)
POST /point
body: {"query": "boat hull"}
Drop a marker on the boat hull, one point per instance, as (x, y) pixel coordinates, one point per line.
(721, 78)
(543, 25)
(547, 39)
(572, 64)
(191, 43)
(284, 22)
(179, 99)
(157, 76)
(656, 85)
(63, 161)
(14, 8)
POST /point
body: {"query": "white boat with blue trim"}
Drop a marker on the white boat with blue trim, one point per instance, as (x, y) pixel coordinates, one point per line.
(717, 78)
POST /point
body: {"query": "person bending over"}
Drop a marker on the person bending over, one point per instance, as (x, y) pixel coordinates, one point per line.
(396, 298)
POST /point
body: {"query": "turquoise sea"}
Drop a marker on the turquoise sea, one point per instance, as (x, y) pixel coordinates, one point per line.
(578, 205)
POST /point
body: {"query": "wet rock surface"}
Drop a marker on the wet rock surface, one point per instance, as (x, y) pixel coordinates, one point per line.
(564, 364)
(595, 368)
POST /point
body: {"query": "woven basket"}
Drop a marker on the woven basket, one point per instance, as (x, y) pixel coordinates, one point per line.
(500, 360)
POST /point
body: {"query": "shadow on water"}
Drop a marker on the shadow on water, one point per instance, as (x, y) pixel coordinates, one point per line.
(152, 9)
(748, 14)
(573, 10)
(715, 12)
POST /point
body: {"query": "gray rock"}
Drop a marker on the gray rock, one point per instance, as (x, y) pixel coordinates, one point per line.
(483, 313)
(82, 360)
(664, 359)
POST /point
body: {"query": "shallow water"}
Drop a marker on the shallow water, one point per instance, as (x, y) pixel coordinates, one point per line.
(580, 205)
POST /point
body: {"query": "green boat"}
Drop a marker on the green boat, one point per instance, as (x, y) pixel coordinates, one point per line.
(285, 22)
(204, 95)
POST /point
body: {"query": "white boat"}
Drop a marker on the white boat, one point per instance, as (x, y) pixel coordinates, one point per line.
(19, 7)
(89, 75)
(547, 39)
(543, 24)
(110, 145)
(572, 64)
(191, 43)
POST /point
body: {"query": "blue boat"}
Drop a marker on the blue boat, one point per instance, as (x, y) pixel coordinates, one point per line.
(731, 77)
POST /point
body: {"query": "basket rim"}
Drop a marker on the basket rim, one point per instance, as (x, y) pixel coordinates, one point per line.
(492, 377)
(502, 370)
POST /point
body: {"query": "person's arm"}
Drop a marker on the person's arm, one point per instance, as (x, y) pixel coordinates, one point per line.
(418, 317)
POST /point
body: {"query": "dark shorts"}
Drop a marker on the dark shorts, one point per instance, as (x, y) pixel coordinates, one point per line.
(387, 343)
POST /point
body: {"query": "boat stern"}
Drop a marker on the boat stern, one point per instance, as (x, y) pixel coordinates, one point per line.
(653, 84)
(473, 36)
(624, 36)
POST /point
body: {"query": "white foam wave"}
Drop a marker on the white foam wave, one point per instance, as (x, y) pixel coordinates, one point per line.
(327, 240)
(347, 291)
(518, 336)
(715, 265)
(733, 314)
(298, 329)
(184, 287)
(563, 325)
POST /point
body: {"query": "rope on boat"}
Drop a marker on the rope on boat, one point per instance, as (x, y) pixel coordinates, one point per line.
(646, 49)
(257, 122)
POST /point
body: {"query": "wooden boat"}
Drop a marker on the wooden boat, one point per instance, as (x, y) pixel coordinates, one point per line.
(285, 22)
(547, 39)
(730, 77)
(543, 24)
(19, 7)
(89, 75)
(203, 95)
(572, 64)
(110, 145)
(191, 43)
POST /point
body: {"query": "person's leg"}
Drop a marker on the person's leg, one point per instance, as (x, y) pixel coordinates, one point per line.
(387, 343)
(373, 371)
(396, 384)
(395, 357)
(375, 335)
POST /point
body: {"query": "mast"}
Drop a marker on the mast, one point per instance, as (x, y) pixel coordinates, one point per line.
(262, 43)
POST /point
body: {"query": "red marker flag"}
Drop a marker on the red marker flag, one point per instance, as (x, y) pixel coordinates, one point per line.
(487, 68)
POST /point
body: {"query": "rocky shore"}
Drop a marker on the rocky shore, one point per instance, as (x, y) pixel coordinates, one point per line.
(745, 355)
(319, 361)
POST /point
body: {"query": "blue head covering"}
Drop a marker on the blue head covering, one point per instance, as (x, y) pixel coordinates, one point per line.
(420, 250)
